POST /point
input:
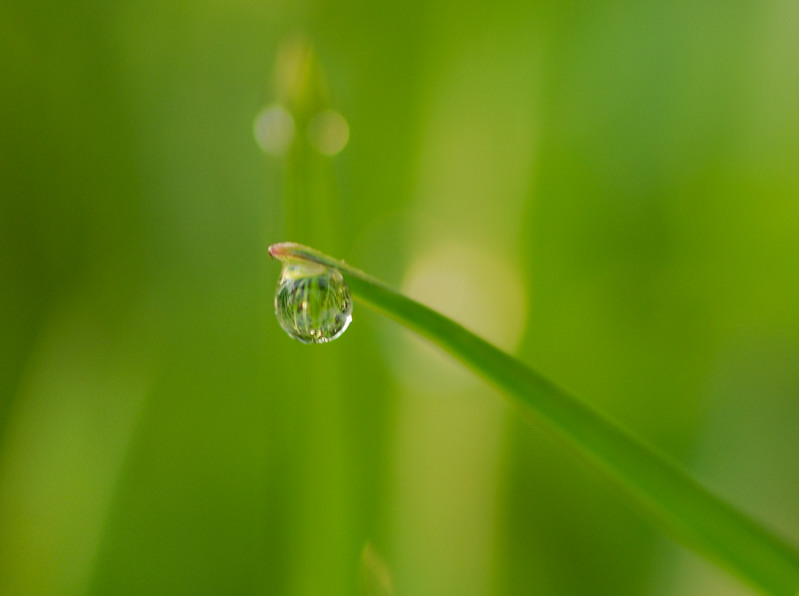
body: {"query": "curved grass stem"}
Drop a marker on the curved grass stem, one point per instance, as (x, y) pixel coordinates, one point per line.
(675, 502)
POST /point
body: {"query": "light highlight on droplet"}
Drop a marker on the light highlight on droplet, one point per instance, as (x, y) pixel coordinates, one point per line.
(328, 132)
(274, 130)
(313, 303)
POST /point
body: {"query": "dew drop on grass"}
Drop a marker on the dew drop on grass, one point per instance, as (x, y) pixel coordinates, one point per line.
(313, 303)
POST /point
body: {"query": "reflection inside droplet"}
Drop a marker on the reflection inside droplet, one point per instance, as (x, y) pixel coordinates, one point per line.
(313, 303)
(274, 130)
(328, 132)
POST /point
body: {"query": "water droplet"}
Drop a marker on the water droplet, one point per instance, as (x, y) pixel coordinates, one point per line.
(313, 303)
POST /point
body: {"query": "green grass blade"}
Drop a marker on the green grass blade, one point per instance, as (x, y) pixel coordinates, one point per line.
(676, 503)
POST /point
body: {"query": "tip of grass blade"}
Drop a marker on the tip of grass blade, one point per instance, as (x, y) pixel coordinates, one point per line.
(291, 253)
(280, 249)
(288, 251)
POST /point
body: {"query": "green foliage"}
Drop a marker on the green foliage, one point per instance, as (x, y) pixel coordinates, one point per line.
(671, 497)
(606, 191)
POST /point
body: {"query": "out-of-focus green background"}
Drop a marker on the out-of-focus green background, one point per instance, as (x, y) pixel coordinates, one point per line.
(610, 190)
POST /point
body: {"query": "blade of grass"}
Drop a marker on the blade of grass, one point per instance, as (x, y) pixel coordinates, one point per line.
(677, 503)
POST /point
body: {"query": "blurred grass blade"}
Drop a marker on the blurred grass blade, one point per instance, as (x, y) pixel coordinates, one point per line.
(675, 502)
(304, 131)
(375, 576)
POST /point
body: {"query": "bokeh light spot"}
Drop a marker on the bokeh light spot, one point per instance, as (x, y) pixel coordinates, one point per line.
(473, 286)
(328, 132)
(274, 130)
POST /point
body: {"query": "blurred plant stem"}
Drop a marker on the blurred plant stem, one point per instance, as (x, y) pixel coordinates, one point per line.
(322, 537)
(310, 196)
(670, 497)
